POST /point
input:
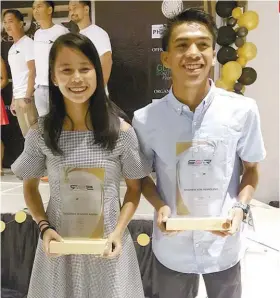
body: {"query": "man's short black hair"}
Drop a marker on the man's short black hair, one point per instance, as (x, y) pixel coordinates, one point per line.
(189, 15)
(51, 4)
(16, 13)
(86, 3)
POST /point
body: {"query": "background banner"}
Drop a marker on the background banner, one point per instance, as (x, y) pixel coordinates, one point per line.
(135, 28)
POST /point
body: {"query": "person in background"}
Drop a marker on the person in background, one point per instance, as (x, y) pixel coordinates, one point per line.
(3, 117)
(80, 13)
(43, 40)
(21, 61)
(195, 137)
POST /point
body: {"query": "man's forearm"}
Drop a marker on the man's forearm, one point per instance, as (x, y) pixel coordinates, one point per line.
(30, 84)
(151, 194)
(248, 185)
(106, 63)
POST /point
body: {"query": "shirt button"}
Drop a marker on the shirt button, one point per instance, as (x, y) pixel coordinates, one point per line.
(197, 245)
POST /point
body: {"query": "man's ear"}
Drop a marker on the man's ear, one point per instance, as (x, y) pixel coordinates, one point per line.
(164, 56)
(214, 59)
(50, 10)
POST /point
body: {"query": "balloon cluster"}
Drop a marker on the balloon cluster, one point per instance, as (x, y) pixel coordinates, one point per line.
(235, 51)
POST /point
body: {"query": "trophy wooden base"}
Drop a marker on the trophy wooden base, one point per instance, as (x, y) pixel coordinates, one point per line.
(197, 223)
(78, 246)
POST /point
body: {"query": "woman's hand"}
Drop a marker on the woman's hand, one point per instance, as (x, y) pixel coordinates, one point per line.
(113, 246)
(48, 236)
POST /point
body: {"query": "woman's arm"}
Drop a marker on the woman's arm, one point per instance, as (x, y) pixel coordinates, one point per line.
(35, 205)
(33, 199)
(130, 204)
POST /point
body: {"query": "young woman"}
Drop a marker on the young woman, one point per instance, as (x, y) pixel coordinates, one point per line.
(82, 130)
(4, 117)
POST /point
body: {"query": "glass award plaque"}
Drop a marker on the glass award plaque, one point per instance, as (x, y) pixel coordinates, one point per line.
(82, 207)
(199, 186)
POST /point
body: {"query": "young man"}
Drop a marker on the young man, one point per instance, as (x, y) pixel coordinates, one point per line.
(21, 61)
(80, 13)
(43, 40)
(195, 137)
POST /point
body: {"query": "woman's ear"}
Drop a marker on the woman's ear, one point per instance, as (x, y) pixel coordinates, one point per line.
(54, 81)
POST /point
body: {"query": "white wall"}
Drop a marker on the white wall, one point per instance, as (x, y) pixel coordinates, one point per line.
(266, 92)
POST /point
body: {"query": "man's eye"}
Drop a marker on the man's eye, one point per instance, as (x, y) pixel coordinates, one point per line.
(66, 70)
(203, 44)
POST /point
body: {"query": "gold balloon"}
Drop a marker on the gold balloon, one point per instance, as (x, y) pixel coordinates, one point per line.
(237, 13)
(247, 51)
(2, 226)
(224, 84)
(20, 217)
(143, 239)
(242, 61)
(250, 20)
(231, 71)
(243, 89)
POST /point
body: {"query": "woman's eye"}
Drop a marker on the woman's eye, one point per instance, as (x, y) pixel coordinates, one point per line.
(85, 69)
(66, 70)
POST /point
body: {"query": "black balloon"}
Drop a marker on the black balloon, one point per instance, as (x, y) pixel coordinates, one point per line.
(238, 92)
(231, 21)
(226, 36)
(226, 54)
(224, 8)
(241, 3)
(238, 87)
(242, 32)
(248, 76)
(239, 42)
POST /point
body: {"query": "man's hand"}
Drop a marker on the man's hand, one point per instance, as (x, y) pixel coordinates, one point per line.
(13, 107)
(22, 104)
(163, 214)
(235, 218)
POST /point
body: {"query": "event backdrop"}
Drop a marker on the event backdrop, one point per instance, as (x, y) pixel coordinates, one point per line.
(134, 27)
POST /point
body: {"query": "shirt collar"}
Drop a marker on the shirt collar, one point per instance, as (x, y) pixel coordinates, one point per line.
(180, 107)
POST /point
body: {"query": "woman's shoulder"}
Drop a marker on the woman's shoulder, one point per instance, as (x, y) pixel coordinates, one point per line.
(124, 126)
(37, 128)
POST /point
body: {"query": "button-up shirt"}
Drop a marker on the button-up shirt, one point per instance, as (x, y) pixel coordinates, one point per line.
(196, 157)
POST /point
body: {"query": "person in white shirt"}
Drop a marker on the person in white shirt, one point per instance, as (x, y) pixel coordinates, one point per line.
(21, 61)
(80, 13)
(195, 138)
(43, 40)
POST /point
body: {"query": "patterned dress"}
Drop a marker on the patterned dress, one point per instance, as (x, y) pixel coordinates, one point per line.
(84, 276)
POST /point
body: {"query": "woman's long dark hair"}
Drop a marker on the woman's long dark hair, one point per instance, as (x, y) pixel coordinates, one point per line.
(104, 114)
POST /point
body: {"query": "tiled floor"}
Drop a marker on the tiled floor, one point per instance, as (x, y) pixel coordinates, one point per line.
(261, 265)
